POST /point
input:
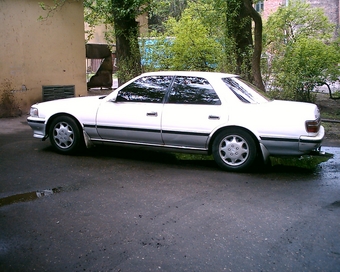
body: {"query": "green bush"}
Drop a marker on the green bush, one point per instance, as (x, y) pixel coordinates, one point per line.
(301, 53)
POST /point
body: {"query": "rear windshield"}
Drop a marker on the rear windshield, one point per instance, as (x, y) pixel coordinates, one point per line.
(245, 91)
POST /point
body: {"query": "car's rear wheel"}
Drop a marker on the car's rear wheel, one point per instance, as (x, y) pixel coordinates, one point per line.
(234, 150)
(65, 135)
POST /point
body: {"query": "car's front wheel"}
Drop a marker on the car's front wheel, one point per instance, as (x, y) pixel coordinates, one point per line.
(65, 135)
(234, 150)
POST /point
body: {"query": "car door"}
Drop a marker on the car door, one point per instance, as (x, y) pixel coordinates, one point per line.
(135, 115)
(192, 112)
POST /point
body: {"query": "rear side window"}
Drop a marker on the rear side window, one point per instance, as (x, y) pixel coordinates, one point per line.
(193, 90)
(245, 91)
(149, 89)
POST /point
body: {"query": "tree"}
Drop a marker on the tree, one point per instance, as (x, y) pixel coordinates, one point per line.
(238, 41)
(126, 32)
(257, 53)
(190, 43)
(296, 20)
(122, 15)
(238, 27)
(300, 51)
(99, 13)
(308, 63)
(239, 17)
(183, 43)
(161, 11)
(221, 31)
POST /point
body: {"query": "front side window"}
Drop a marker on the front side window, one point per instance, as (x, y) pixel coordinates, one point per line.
(149, 89)
(193, 90)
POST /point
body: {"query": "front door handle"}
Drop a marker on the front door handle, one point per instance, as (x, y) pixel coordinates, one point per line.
(214, 117)
(152, 114)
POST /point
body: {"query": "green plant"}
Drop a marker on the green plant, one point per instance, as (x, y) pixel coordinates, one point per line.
(300, 52)
(308, 162)
(191, 42)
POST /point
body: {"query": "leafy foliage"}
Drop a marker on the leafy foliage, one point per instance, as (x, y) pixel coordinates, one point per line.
(97, 13)
(51, 8)
(238, 31)
(122, 15)
(296, 20)
(216, 35)
(300, 52)
(308, 63)
(193, 42)
(161, 11)
(210, 35)
(195, 46)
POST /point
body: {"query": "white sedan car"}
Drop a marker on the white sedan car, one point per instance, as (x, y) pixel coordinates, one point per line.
(198, 112)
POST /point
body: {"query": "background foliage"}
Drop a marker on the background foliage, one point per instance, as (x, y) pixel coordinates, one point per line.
(300, 51)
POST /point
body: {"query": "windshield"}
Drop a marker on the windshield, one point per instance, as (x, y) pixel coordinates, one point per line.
(245, 91)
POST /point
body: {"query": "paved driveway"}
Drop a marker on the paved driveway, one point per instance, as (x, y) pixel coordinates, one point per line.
(114, 209)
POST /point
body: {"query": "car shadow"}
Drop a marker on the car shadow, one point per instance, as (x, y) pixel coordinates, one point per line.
(147, 155)
(176, 159)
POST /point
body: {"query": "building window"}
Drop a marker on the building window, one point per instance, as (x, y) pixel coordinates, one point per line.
(259, 6)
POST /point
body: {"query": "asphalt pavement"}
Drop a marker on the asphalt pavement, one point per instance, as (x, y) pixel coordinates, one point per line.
(115, 209)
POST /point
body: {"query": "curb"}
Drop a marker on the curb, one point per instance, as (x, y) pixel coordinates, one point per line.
(330, 121)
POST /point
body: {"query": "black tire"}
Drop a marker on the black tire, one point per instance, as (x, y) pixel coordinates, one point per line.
(65, 136)
(234, 150)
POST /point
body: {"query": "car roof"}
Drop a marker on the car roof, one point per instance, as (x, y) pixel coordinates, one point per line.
(190, 73)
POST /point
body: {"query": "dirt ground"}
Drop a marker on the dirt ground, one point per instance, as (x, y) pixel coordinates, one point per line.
(330, 114)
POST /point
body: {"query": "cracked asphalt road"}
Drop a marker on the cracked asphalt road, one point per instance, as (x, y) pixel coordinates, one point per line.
(115, 209)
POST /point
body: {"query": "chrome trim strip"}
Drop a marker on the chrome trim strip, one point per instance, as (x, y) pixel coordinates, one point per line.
(35, 121)
(89, 126)
(149, 144)
(149, 130)
(128, 129)
(185, 133)
(312, 141)
(278, 139)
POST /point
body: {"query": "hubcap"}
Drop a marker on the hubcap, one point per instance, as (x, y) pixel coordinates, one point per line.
(234, 150)
(63, 135)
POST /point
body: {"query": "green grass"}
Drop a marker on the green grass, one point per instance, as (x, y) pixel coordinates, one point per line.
(305, 161)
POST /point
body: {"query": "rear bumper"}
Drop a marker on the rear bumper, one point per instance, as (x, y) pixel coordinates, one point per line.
(307, 144)
(292, 146)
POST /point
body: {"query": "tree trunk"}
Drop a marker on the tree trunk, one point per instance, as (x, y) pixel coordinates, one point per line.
(239, 28)
(127, 48)
(256, 60)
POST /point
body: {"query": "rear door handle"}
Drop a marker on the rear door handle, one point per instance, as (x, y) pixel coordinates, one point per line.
(152, 114)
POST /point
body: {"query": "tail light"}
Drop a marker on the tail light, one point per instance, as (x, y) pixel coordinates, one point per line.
(313, 126)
